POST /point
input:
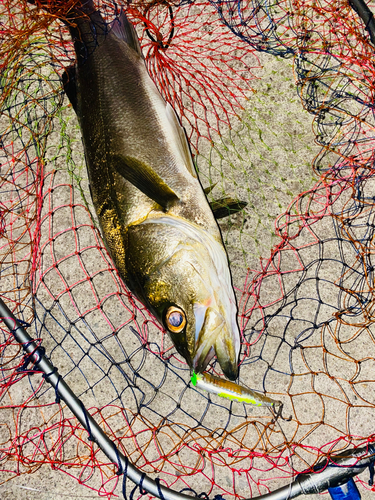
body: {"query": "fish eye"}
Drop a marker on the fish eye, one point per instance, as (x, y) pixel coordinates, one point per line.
(175, 319)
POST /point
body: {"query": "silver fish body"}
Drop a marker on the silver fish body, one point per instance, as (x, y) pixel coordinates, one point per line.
(155, 218)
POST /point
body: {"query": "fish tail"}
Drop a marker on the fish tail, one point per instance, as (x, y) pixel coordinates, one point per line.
(87, 27)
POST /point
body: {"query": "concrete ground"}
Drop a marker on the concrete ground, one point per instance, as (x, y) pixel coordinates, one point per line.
(267, 163)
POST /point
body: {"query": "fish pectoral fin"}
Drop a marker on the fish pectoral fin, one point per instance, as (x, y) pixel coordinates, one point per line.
(124, 30)
(181, 139)
(143, 177)
(70, 86)
(226, 206)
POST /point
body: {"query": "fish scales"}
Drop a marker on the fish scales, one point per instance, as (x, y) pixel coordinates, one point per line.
(123, 116)
(154, 215)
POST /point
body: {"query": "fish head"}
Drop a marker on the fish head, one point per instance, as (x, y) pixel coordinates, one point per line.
(181, 273)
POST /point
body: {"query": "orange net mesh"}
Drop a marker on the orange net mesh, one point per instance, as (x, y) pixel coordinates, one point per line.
(305, 311)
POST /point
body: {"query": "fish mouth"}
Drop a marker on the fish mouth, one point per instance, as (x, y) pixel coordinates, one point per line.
(215, 338)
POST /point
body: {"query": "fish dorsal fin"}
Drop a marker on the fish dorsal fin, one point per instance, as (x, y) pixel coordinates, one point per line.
(124, 30)
(143, 177)
(181, 140)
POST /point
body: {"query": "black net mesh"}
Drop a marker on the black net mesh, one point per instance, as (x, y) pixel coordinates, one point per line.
(304, 283)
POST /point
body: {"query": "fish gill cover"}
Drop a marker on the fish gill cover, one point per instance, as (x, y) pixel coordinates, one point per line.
(306, 308)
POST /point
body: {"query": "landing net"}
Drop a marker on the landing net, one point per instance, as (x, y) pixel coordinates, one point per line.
(304, 283)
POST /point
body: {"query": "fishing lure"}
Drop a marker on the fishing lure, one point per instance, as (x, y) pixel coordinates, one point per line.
(231, 390)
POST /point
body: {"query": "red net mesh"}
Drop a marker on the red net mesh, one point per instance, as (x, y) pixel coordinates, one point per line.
(305, 312)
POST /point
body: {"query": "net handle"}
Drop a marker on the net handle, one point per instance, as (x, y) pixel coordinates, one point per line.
(96, 434)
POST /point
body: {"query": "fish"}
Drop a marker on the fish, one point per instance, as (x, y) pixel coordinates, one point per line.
(154, 215)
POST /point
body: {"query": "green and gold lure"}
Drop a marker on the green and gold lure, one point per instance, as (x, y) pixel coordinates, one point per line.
(231, 390)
